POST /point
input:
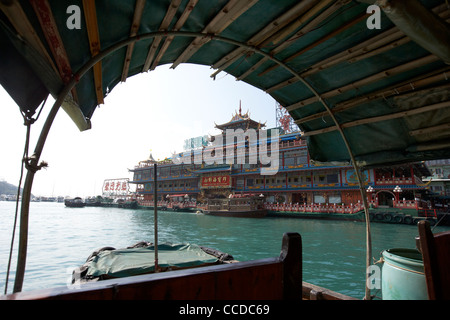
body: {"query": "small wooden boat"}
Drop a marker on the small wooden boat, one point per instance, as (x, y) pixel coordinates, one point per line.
(130, 204)
(75, 203)
(110, 263)
(243, 207)
(272, 278)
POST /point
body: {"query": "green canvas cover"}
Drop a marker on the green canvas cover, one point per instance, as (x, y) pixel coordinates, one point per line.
(135, 261)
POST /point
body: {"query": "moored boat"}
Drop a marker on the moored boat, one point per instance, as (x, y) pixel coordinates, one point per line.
(109, 263)
(111, 203)
(245, 207)
(393, 216)
(127, 204)
(76, 202)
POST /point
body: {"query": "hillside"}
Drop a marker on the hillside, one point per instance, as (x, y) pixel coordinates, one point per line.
(7, 188)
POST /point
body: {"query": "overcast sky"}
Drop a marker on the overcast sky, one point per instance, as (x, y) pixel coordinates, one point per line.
(151, 112)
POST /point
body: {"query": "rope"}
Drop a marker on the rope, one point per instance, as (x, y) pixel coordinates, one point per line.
(443, 216)
(25, 154)
(382, 260)
(405, 269)
(28, 121)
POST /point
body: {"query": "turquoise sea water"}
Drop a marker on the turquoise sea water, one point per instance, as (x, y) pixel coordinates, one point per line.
(61, 239)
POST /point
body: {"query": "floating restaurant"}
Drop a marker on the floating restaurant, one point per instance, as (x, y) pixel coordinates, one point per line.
(298, 184)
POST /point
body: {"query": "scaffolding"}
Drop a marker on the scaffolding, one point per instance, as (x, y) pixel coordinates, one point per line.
(284, 120)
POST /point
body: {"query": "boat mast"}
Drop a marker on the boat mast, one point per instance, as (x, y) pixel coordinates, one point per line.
(155, 208)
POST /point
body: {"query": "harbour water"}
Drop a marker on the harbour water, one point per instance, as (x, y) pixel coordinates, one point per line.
(61, 239)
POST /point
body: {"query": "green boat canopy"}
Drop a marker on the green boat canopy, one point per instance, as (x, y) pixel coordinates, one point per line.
(364, 82)
(136, 261)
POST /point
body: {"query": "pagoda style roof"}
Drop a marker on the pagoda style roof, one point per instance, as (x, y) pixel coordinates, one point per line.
(241, 121)
(151, 160)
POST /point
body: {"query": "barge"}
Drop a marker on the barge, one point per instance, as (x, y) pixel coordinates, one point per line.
(242, 207)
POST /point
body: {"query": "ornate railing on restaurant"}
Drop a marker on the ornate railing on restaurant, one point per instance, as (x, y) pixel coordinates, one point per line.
(394, 181)
(421, 206)
(169, 204)
(291, 144)
(380, 181)
(341, 208)
(298, 207)
(315, 207)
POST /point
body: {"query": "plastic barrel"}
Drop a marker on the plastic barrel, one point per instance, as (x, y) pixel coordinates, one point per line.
(403, 275)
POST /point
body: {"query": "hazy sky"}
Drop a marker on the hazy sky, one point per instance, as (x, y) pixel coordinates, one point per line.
(151, 112)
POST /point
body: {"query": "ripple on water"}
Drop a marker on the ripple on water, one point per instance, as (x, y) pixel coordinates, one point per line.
(62, 238)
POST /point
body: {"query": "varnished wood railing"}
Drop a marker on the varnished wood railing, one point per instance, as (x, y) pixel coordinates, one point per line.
(266, 279)
(277, 278)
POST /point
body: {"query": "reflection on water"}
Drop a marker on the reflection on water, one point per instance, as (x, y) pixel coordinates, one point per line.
(62, 238)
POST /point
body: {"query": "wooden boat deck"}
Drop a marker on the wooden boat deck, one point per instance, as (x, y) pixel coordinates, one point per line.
(278, 278)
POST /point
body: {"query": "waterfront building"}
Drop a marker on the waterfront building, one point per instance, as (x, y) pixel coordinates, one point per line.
(439, 184)
(439, 180)
(296, 182)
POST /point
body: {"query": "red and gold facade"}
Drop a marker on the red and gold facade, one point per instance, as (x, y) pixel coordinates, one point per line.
(296, 182)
